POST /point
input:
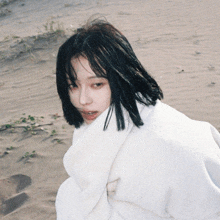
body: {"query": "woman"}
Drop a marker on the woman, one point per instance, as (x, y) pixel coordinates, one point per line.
(132, 156)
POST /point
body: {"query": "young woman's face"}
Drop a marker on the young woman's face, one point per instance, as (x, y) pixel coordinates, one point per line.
(92, 94)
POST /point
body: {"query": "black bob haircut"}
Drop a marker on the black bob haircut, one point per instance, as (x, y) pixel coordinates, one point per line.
(111, 56)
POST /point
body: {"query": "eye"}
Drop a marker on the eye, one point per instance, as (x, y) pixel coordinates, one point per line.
(97, 85)
(72, 87)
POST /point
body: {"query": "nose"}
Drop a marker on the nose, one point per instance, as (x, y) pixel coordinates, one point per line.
(85, 97)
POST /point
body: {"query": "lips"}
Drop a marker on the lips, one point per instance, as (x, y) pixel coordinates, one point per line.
(89, 115)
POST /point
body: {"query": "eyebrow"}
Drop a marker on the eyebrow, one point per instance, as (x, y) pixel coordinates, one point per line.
(91, 77)
(94, 77)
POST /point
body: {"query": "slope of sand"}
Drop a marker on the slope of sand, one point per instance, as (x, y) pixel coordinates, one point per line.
(177, 41)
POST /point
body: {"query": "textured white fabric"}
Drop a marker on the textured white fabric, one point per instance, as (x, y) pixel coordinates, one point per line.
(167, 169)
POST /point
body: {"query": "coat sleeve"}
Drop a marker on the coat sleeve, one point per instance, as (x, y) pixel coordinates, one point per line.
(195, 194)
(103, 210)
(69, 205)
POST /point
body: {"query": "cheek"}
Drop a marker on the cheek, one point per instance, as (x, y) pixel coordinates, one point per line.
(106, 98)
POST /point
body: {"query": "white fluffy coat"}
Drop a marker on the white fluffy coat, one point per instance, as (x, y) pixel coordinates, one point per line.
(167, 169)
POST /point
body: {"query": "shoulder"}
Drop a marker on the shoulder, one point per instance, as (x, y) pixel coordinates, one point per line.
(167, 127)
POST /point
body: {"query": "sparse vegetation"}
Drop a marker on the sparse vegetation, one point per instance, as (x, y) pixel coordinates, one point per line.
(53, 132)
(28, 119)
(15, 37)
(15, 46)
(8, 125)
(6, 151)
(59, 141)
(3, 3)
(27, 156)
(4, 12)
(29, 123)
(10, 148)
(54, 27)
(55, 116)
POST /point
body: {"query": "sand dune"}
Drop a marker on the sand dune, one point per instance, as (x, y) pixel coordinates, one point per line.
(177, 41)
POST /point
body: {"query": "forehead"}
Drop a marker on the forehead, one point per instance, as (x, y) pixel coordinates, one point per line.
(81, 66)
(82, 70)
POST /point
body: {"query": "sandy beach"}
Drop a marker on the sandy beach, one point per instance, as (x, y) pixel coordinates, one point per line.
(177, 41)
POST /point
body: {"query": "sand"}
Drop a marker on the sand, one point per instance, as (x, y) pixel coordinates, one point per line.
(177, 41)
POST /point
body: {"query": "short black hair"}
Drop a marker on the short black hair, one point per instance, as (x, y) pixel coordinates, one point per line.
(110, 55)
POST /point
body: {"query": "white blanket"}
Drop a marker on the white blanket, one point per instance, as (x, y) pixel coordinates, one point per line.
(167, 169)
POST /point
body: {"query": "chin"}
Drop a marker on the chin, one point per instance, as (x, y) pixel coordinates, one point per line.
(88, 122)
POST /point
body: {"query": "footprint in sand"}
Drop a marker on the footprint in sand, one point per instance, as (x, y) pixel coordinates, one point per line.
(11, 196)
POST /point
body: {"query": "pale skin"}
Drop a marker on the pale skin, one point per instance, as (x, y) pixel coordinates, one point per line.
(92, 94)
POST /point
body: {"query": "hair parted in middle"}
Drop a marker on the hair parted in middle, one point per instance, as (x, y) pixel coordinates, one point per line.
(111, 56)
